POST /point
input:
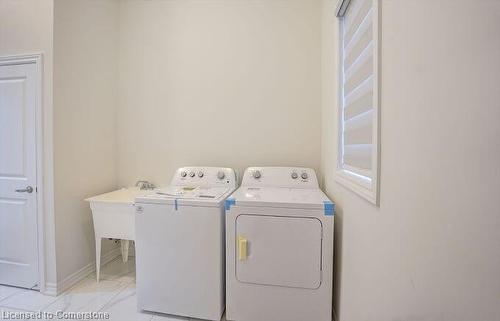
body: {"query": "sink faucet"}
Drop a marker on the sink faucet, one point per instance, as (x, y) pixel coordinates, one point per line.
(144, 185)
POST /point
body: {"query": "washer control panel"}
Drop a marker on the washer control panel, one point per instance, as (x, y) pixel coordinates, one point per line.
(291, 177)
(204, 176)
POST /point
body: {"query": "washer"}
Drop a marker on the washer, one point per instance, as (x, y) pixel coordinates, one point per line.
(279, 247)
(180, 244)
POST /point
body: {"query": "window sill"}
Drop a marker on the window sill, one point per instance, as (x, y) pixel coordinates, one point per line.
(364, 187)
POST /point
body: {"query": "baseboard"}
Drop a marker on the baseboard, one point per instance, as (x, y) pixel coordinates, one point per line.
(54, 289)
(50, 289)
(109, 256)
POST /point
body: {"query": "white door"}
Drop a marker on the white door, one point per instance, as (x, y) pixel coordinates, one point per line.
(18, 213)
(279, 251)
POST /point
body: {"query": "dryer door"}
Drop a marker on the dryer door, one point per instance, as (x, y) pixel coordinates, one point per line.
(278, 250)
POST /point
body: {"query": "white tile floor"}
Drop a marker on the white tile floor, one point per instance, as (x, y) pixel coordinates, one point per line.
(115, 294)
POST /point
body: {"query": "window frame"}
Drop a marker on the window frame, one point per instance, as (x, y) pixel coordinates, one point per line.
(364, 186)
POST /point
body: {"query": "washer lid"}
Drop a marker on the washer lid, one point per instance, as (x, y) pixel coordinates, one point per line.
(280, 197)
(185, 195)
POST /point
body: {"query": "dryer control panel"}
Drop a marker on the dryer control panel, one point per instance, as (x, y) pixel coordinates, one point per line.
(204, 177)
(288, 177)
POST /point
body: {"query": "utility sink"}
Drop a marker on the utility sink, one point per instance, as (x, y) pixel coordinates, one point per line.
(114, 217)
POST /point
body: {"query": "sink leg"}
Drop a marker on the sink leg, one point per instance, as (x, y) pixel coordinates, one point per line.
(124, 246)
(98, 257)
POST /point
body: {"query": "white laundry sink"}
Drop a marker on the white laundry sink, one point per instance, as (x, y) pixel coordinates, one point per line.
(114, 217)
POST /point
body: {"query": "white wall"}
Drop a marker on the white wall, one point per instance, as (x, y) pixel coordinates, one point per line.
(222, 83)
(432, 249)
(26, 28)
(188, 73)
(85, 37)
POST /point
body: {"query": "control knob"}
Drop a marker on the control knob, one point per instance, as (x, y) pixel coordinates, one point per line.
(191, 174)
(183, 174)
(257, 174)
(200, 174)
(294, 175)
(221, 175)
(304, 176)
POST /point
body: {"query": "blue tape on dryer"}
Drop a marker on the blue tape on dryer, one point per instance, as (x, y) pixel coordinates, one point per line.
(228, 203)
(329, 208)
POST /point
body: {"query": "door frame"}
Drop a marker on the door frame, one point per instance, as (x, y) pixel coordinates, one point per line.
(36, 59)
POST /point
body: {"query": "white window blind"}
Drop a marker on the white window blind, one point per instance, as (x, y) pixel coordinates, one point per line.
(358, 128)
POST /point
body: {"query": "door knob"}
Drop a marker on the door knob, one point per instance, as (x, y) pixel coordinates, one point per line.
(28, 189)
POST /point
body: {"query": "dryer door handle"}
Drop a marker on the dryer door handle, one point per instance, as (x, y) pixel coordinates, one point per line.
(242, 248)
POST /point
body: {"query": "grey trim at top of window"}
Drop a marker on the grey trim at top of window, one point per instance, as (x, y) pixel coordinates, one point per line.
(342, 8)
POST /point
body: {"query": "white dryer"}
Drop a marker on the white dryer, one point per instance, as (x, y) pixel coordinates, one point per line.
(279, 247)
(180, 244)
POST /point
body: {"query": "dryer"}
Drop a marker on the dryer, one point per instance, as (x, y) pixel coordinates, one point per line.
(279, 247)
(180, 244)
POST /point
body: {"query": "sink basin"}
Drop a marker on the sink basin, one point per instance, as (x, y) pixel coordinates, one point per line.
(114, 217)
(121, 196)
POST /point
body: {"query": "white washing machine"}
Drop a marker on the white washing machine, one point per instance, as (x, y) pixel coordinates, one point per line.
(180, 244)
(279, 247)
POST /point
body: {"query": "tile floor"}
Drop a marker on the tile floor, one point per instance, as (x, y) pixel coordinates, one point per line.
(115, 294)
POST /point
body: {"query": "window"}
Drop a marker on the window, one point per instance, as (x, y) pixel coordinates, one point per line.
(358, 155)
